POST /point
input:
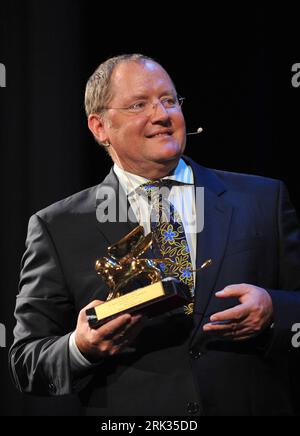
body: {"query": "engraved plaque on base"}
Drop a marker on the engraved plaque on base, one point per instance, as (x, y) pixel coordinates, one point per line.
(151, 300)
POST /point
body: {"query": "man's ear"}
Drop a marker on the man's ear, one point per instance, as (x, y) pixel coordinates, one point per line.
(96, 126)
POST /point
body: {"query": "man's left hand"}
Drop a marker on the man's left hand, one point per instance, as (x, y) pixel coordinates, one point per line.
(246, 320)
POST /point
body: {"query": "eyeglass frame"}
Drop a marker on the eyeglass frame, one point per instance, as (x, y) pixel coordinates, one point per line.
(177, 105)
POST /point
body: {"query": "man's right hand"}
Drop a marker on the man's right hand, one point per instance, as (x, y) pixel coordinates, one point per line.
(108, 339)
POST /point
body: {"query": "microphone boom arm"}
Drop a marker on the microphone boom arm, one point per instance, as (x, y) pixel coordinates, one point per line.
(199, 130)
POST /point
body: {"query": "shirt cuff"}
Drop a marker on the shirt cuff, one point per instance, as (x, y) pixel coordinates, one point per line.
(77, 361)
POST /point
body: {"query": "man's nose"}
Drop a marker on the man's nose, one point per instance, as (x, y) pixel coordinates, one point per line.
(159, 111)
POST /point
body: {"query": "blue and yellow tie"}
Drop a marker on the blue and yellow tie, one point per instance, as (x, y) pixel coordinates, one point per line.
(169, 236)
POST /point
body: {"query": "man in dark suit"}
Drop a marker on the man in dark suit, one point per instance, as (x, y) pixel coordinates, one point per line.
(231, 355)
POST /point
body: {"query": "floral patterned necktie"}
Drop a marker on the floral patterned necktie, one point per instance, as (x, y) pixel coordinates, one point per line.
(169, 236)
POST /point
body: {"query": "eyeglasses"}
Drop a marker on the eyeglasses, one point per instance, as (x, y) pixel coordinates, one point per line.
(146, 107)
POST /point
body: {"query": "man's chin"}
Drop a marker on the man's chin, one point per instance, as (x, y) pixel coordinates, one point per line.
(168, 154)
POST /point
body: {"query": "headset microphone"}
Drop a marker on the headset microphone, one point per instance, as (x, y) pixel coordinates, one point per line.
(199, 130)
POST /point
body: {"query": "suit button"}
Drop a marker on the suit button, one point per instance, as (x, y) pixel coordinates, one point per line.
(195, 354)
(52, 388)
(193, 408)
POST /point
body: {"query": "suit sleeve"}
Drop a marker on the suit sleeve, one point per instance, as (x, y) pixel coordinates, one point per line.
(286, 300)
(39, 356)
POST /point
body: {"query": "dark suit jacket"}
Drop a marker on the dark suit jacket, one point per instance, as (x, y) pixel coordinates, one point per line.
(251, 233)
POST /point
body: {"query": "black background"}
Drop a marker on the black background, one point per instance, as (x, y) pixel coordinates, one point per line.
(232, 63)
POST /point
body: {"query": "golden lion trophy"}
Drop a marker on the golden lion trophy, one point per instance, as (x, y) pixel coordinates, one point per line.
(123, 267)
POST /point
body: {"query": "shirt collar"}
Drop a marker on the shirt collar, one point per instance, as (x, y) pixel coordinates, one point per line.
(129, 182)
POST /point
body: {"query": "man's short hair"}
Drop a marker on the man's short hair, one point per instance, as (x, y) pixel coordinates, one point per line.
(98, 91)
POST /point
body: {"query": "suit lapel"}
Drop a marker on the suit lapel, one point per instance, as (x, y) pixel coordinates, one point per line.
(211, 241)
(112, 208)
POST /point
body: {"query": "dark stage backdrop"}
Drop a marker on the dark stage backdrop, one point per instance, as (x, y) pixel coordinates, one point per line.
(233, 65)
